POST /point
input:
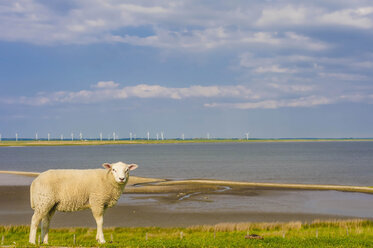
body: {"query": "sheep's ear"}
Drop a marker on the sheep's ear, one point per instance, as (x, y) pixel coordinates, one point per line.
(132, 166)
(106, 166)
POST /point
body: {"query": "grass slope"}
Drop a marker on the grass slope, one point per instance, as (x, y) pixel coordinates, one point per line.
(342, 233)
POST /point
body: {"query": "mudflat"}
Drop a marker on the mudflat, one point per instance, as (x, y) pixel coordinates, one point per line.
(162, 211)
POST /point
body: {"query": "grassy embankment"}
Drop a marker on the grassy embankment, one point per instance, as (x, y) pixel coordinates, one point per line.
(343, 233)
(143, 141)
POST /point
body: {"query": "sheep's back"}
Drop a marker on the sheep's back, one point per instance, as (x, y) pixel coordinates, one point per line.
(68, 190)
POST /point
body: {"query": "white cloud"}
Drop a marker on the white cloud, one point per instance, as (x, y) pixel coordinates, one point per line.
(288, 15)
(277, 96)
(181, 25)
(292, 88)
(273, 69)
(106, 84)
(349, 17)
(315, 15)
(109, 90)
(309, 101)
(211, 38)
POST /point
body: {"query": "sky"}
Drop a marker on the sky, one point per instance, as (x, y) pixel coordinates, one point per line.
(273, 69)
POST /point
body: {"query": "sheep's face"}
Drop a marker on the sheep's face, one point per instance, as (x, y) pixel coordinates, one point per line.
(120, 170)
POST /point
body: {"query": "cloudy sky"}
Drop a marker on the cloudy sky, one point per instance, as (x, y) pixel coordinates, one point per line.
(272, 68)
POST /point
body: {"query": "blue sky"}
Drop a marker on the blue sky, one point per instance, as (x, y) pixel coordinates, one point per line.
(271, 68)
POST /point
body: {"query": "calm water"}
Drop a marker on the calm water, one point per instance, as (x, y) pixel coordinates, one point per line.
(309, 162)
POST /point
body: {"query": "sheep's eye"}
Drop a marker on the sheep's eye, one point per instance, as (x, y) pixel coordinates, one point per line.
(114, 170)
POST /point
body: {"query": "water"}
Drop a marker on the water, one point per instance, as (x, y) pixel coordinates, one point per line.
(346, 163)
(349, 163)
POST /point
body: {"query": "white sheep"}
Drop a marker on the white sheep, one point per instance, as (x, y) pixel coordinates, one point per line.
(73, 190)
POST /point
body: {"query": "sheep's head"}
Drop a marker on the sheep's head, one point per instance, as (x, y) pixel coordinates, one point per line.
(120, 170)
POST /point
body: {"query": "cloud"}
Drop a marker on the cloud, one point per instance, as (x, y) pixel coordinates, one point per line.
(272, 96)
(211, 38)
(191, 25)
(316, 15)
(288, 15)
(309, 101)
(106, 84)
(358, 18)
(109, 90)
(292, 88)
(274, 69)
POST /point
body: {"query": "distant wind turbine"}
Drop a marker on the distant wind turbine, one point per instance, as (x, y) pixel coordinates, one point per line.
(16, 136)
(182, 137)
(148, 134)
(72, 136)
(247, 135)
(162, 136)
(61, 136)
(36, 136)
(114, 136)
(208, 135)
(130, 135)
(0, 137)
(157, 136)
(49, 136)
(81, 136)
(100, 136)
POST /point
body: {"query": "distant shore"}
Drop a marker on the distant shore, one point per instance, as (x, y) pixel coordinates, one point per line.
(168, 141)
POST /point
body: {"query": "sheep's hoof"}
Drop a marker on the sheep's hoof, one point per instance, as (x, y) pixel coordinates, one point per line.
(101, 241)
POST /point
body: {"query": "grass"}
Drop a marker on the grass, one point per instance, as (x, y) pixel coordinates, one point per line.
(143, 141)
(337, 233)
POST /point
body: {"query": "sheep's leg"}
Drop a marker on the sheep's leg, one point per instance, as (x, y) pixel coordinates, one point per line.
(45, 226)
(98, 214)
(36, 218)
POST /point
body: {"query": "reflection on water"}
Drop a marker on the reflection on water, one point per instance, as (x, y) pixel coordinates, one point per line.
(270, 201)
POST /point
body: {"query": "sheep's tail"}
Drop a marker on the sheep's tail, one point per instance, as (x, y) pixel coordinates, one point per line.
(21, 173)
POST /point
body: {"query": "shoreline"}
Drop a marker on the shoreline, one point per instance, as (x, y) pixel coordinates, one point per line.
(21, 143)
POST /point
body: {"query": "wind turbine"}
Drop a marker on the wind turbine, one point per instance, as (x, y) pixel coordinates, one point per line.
(100, 136)
(148, 134)
(157, 136)
(182, 136)
(36, 136)
(208, 135)
(16, 136)
(72, 136)
(162, 136)
(114, 136)
(0, 137)
(49, 136)
(130, 135)
(61, 136)
(247, 135)
(81, 136)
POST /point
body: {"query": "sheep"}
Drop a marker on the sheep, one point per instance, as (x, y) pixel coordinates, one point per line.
(73, 190)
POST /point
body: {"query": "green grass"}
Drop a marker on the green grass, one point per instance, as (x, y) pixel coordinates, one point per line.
(143, 141)
(350, 233)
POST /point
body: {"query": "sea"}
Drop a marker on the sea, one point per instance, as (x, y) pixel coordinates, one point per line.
(340, 163)
(334, 162)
